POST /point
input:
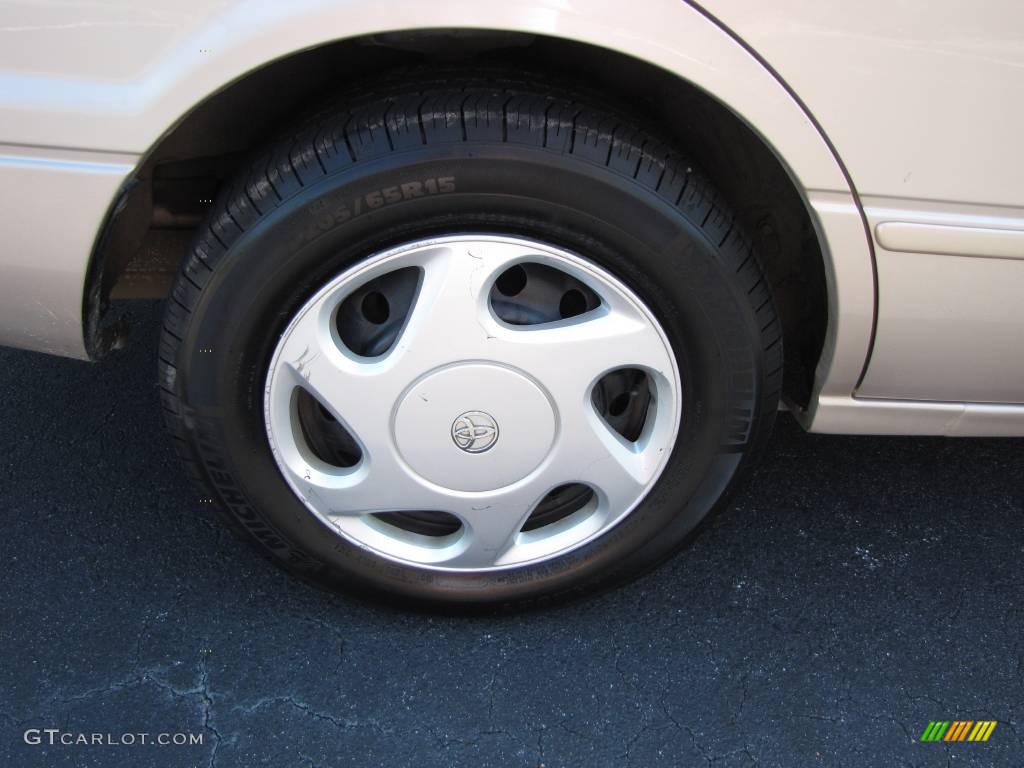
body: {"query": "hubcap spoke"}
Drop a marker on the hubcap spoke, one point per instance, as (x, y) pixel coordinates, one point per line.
(569, 357)
(311, 359)
(450, 320)
(492, 524)
(359, 492)
(589, 452)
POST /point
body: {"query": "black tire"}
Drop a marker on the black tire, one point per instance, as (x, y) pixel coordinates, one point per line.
(501, 155)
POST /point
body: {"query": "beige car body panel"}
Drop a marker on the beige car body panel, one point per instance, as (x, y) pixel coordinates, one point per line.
(86, 89)
(922, 102)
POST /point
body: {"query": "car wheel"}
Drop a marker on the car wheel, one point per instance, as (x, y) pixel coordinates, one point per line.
(468, 342)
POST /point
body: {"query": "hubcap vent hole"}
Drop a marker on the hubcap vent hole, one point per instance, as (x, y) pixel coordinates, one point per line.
(623, 399)
(558, 505)
(370, 319)
(433, 524)
(531, 294)
(324, 436)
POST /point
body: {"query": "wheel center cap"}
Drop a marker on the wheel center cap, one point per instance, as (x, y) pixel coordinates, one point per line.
(474, 426)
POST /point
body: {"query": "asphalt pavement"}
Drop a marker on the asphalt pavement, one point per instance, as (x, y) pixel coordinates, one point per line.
(857, 589)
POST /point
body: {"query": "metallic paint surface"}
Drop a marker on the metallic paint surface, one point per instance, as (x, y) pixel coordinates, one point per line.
(921, 98)
(52, 205)
(951, 319)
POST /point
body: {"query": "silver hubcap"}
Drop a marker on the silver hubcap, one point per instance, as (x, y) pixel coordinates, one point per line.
(471, 416)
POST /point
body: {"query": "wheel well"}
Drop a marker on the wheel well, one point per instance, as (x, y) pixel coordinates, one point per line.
(148, 233)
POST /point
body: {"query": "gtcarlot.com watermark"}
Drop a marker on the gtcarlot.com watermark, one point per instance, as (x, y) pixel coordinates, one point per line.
(54, 736)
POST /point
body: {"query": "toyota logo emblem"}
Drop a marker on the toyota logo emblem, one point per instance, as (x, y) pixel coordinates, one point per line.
(475, 432)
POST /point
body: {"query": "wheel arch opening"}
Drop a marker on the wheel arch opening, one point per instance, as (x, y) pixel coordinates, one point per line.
(151, 225)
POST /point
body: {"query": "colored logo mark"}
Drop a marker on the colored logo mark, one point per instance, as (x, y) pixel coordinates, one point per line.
(958, 730)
